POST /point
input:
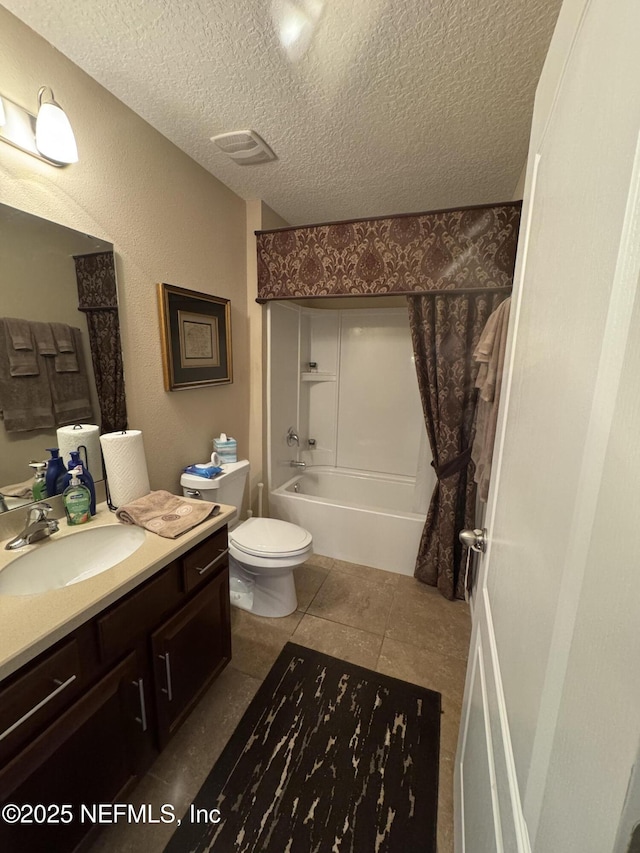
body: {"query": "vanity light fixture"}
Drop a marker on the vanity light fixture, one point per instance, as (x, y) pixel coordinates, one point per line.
(3, 118)
(48, 137)
(54, 136)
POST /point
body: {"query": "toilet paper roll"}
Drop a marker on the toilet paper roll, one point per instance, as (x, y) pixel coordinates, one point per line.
(125, 466)
(87, 438)
(215, 458)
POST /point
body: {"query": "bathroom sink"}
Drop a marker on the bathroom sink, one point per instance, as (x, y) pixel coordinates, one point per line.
(59, 562)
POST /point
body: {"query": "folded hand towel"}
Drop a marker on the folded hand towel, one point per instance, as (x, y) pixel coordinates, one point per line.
(25, 401)
(69, 390)
(18, 490)
(166, 514)
(43, 337)
(19, 333)
(23, 359)
(207, 471)
(63, 338)
(66, 360)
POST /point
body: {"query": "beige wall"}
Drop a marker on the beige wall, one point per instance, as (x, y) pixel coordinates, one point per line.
(169, 220)
(259, 217)
(518, 193)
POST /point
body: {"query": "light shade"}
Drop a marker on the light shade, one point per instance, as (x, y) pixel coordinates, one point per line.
(54, 136)
(3, 117)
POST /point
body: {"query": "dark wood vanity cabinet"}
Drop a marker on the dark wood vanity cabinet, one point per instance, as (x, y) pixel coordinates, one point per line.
(131, 674)
(189, 650)
(89, 755)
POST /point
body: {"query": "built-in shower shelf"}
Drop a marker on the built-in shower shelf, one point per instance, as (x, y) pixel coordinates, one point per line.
(318, 377)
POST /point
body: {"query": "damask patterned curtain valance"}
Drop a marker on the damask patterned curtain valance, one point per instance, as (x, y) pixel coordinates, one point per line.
(446, 250)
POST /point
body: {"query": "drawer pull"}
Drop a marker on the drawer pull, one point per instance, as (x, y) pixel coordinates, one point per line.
(213, 562)
(167, 666)
(36, 708)
(142, 719)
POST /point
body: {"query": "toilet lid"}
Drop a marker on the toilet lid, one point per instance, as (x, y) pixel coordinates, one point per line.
(264, 536)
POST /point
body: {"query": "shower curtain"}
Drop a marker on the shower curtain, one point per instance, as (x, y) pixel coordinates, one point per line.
(445, 330)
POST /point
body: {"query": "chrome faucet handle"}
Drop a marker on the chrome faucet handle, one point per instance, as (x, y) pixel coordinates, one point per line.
(292, 437)
(38, 512)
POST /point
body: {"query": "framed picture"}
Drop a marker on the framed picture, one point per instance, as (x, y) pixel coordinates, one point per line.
(196, 338)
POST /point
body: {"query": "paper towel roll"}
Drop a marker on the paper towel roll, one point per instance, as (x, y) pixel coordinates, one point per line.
(82, 435)
(125, 466)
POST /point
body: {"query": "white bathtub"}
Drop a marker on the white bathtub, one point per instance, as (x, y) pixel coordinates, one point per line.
(356, 516)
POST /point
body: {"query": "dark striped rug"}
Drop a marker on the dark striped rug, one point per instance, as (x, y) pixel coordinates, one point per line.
(328, 758)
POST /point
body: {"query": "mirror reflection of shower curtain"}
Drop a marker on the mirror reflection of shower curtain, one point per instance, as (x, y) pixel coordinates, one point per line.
(98, 299)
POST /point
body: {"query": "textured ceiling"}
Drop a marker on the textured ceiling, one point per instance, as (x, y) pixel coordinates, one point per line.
(396, 105)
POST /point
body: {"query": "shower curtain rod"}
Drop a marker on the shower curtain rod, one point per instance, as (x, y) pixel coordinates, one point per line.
(459, 292)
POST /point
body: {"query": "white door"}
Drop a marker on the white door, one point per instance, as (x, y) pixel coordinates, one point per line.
(550, 719)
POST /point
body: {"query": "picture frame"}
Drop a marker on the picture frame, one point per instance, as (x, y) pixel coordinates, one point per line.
(195, 332)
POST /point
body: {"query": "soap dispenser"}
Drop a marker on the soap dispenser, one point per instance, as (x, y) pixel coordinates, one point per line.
(56, 473)
(84, 476)
(77, 499)
(39, 487)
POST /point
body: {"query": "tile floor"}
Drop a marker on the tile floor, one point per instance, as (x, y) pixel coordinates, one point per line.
(387, 622)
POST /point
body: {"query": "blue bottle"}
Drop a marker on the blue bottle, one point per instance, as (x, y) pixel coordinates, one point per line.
(85, 478)
(56, 473)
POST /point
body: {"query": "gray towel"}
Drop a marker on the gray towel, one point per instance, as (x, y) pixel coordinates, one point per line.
(70, 390)
(18, 490)
(25, 401)
(63, 337)
(43, 336)
(66, 360)
(166, 514)
(23, 358)
(20, 333)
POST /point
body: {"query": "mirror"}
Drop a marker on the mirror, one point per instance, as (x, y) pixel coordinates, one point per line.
(38, 282)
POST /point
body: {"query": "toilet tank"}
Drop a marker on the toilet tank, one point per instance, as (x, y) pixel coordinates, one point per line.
(226, 488)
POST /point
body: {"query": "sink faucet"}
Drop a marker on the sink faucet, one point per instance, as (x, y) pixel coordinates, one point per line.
(38, 526)
(295, 464)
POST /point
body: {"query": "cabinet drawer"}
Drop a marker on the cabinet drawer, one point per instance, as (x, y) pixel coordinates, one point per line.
(120, 628)
(205, 560)
(37, 695)
(86, 755)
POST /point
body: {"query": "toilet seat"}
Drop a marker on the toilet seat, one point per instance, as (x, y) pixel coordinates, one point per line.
(270, 537)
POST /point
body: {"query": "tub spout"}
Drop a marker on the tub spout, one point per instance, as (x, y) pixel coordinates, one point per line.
(295, 464)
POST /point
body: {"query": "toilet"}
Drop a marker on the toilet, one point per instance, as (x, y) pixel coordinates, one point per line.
(263, 552)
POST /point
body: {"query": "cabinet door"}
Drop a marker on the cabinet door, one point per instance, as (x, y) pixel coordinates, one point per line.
(189, 650)
(88, 756)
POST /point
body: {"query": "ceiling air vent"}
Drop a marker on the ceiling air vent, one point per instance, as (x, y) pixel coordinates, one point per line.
(244, 147)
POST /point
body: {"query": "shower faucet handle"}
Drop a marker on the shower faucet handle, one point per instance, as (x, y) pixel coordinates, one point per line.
(292, 437)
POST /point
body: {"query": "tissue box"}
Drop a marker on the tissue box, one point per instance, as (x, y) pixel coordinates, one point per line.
(226, 450)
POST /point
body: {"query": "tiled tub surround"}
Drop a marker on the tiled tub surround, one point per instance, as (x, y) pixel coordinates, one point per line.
(385, 621)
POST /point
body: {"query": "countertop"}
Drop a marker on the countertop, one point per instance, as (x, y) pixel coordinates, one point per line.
(29, 624)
